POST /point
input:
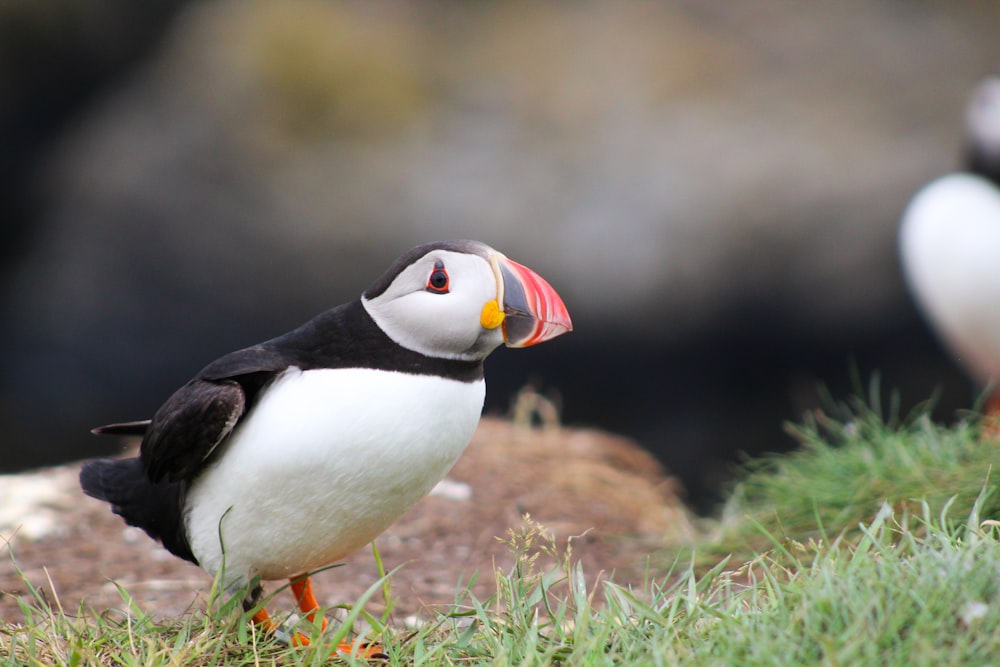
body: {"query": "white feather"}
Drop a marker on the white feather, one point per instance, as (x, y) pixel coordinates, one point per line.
(326, 461)
(950, 246)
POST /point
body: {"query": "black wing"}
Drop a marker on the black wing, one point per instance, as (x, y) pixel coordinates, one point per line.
(186, 429)
(198, 417)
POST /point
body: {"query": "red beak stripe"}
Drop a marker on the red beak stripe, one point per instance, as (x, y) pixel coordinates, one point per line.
(534, 311)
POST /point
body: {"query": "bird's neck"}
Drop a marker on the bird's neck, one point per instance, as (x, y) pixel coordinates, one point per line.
(347, 336)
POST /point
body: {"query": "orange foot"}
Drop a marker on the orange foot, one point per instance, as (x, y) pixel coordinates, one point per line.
(302, 589)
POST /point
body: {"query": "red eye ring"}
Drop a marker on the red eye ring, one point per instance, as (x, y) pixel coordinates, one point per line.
(438, 282)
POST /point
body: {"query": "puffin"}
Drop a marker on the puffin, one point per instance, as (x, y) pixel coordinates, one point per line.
(284, 457)
(950, 247)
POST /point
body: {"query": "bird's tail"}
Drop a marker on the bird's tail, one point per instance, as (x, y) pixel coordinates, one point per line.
(156, 508)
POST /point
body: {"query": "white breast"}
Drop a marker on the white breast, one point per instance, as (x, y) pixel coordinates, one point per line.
(324, 463)
(950, 245)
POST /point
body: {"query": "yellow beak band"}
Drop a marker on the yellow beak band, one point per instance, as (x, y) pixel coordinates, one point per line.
(492, 316)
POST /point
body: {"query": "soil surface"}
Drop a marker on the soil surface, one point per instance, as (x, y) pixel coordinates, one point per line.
(604, 492)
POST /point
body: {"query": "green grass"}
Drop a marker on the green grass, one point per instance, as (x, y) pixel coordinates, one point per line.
(853, 458)
(875, 544)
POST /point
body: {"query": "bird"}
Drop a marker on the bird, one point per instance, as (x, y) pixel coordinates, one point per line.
(950, 247)
(284, 457)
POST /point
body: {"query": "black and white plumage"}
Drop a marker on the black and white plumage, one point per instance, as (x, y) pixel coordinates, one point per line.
(286, 456)
(950, 245)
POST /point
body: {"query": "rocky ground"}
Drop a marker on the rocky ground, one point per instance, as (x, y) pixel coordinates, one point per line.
(603, 491)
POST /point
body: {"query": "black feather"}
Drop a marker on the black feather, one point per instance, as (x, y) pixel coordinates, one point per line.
(157, 508)
(186, 430)
(124, 428)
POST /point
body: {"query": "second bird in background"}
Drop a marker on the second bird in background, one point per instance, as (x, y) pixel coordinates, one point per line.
(950, 247)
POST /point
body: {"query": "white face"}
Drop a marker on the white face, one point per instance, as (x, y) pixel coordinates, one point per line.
(434, 306)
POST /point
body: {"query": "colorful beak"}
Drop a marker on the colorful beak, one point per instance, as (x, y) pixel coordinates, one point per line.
(532, 311)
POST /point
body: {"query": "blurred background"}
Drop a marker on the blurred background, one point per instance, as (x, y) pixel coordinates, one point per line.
(714, 188)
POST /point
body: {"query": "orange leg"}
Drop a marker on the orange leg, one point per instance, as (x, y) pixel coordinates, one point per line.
(303, 591)
(263, 619)
(309, 606)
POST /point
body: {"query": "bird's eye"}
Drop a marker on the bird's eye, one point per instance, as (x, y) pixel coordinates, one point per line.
(438, 282)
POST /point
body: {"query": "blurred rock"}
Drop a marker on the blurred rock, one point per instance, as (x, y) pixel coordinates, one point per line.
(713, 187)
(33, 505)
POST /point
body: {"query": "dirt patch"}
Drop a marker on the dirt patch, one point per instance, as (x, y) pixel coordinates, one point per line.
(603, 489)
